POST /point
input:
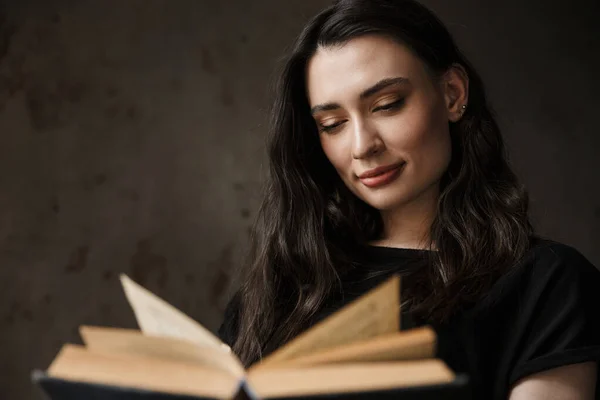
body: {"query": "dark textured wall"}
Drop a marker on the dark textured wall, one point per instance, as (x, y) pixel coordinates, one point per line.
(131, 138)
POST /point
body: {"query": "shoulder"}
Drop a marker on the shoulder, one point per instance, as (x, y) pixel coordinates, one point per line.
(548, 268)
(548, 260)
(542, 313)
(555, 319)
(546, 249)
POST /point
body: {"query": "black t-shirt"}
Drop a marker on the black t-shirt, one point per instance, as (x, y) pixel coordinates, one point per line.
(543, 314)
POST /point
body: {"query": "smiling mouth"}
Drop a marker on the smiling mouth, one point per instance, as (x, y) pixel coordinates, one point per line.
(381, 176)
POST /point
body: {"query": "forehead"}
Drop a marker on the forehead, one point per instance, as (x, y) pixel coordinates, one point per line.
(346, 70)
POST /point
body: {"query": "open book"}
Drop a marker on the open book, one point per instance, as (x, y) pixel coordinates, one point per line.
(358, 352)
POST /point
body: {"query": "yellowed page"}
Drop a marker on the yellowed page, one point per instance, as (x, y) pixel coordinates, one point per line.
(129, 341)
(75, 363)
(347, 378)
(157, 317)
(413, 344)
(375, 313)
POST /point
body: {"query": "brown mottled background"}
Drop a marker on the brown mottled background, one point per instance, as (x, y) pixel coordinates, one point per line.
(131, 137)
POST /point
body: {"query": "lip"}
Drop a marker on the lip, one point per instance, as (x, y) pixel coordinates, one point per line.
(379, 170)
(381, 175)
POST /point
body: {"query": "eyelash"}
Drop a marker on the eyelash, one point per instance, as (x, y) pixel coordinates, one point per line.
(329, 128)
(390, 106)
(385, 108)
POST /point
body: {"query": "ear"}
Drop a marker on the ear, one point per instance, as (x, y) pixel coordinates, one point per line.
(455, 88)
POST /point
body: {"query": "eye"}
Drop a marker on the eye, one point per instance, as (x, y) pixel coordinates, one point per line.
(330, 127)
(394, 105)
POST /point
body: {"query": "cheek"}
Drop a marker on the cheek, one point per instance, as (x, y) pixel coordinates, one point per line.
(430, 148)
(337, 152)
(423, 134)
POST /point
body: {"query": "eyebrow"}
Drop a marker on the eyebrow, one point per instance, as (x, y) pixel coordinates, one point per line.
(379, 86)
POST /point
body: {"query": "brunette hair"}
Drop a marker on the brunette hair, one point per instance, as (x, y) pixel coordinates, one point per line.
(310, 225)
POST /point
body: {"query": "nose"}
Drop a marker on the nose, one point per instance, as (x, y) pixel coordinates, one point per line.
(366, 140)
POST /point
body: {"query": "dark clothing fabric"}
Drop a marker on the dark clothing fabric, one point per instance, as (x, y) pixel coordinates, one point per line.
(541, 315)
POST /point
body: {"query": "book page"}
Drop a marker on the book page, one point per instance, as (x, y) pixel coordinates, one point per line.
(77, 364)
(157, 317)
(375, 313)
(414, 344)
(131, 341)
(342, 379)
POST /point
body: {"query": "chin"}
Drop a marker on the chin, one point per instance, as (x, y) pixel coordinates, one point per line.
(386, 201)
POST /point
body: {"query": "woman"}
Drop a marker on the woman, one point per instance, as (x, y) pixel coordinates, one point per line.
(385, 158)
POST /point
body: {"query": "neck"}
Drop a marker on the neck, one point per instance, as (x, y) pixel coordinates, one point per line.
(409, 226)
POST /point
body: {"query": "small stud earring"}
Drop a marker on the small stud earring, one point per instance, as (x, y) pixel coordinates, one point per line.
(464, 107)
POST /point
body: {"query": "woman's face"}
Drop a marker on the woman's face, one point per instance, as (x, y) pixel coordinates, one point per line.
(382, 120)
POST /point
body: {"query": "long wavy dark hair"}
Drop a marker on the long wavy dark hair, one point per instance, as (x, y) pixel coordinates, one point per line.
(310, 225)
